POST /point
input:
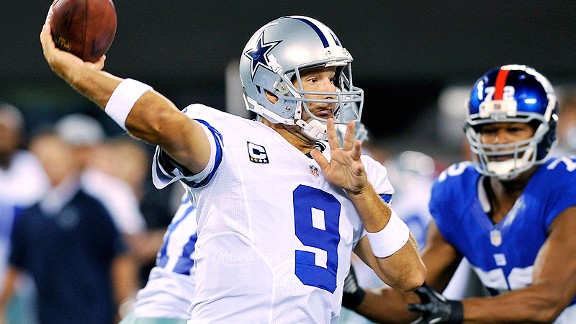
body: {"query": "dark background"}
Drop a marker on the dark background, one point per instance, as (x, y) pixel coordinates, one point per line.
(406, 52)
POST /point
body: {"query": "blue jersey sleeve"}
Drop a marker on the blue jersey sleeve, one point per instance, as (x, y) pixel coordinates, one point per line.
(555, 184)
(452, 193)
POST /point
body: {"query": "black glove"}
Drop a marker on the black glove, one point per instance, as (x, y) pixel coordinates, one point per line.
(435, 308)
(353, 294)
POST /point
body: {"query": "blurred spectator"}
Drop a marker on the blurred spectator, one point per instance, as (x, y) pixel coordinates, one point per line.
(70, 246)
(22, 182)
(85, 133)
(164, 253)
(129, 160)
(566, 128)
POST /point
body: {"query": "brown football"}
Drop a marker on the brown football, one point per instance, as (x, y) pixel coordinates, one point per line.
(85, 28)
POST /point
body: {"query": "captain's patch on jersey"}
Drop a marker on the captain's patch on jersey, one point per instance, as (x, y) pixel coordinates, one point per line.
(257, 153)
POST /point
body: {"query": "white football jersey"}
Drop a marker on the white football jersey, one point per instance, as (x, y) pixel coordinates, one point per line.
(171, 284)
(274, 237)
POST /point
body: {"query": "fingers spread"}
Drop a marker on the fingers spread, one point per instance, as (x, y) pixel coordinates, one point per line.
(348, 141)
(357, 150)
(332, 135)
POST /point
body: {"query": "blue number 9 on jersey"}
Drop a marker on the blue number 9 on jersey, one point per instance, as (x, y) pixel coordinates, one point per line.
(315, 231)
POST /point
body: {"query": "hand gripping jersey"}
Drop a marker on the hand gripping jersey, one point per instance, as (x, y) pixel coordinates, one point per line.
(274, 237)
(503, 254)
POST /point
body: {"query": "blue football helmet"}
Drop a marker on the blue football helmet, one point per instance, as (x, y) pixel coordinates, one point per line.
(515, 94)
(273, 59)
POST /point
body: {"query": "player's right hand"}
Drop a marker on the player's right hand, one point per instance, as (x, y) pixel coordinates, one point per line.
(61, 62)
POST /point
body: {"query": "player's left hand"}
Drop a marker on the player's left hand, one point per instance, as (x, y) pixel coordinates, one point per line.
(345, 168)
(435, 308)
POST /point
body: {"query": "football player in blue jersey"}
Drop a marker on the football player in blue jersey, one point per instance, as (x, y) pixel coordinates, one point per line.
(511, 213)
(277, 218)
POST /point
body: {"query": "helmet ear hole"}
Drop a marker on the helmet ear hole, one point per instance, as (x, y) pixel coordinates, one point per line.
(272, 98)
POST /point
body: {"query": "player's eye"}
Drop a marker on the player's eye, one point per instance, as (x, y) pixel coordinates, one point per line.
(487, 130)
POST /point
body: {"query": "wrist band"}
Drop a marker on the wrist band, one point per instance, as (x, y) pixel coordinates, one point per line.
(390, 239)
(123, 99)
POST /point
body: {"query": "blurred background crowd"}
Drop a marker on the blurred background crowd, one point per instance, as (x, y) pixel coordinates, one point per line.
(415, 60)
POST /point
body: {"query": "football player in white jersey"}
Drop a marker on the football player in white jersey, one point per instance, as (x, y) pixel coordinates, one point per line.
(511, 213)
(277, 218)
(169, 292)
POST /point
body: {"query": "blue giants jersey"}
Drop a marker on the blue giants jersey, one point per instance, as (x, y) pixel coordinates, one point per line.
(502, 254)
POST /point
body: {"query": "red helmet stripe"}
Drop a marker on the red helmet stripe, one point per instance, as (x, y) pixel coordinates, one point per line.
(500, 83)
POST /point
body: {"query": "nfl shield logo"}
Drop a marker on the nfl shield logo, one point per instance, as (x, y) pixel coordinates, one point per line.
(314, 170)
(495, 238)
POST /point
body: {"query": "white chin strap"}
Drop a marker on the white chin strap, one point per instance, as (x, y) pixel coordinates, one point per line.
(314, 129)
(509, 169)
(504, 169)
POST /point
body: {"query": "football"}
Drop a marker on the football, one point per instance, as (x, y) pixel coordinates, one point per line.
(85, 28)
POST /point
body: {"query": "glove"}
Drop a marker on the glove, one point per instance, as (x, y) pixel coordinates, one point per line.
(435, 308)
(353, 294)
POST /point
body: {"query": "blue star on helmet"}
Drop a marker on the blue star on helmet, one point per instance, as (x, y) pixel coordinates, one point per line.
(259, 54)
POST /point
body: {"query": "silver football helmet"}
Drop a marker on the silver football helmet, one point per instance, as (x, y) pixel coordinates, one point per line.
(274, 58)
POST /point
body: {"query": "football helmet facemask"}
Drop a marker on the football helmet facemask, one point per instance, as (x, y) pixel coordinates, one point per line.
(514, 94)
(275, 56)
(360, 131)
